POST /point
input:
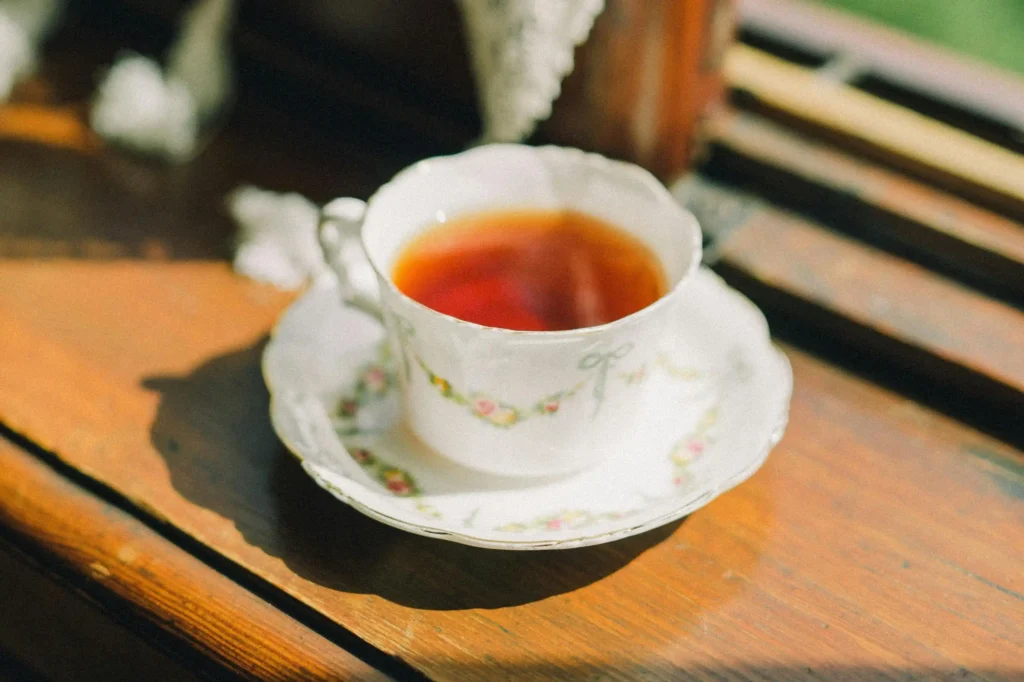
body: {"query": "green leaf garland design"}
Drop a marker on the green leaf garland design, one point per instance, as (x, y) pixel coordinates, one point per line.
(505, 415)
(677, 371)
(564, 520)
(687, 449)
(493, 411)
(397, 481)
(637, 376)
(375, 381)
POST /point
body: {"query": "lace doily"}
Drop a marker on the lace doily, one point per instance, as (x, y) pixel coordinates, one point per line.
(163, 114)
(276, 241)
(520, 51)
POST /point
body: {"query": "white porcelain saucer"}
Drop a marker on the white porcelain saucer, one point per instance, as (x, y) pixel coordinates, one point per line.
(334, 403)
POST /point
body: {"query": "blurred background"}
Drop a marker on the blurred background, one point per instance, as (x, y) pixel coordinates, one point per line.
(391, 81)
(990, 30)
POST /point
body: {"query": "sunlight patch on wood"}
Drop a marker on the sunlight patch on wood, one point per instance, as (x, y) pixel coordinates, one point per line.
(52, 126)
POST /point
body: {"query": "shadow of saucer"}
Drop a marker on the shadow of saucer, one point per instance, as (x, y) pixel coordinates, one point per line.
(213, 430)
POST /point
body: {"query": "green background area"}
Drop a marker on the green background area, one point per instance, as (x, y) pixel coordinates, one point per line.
(991, 30)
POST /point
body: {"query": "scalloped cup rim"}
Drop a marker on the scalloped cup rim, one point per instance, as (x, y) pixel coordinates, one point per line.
(642, 176)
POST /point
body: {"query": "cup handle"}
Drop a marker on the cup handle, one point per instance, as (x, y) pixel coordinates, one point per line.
(338, 233)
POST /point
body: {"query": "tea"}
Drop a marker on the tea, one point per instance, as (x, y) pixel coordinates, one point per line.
(530, 270)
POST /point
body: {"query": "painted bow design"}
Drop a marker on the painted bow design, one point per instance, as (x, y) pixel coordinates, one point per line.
(600, 363)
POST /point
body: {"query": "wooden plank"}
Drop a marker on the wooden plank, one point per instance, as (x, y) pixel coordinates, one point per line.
(868, 200)
(949, 329)
(903, 137)
(52, 126)
(150, 383)
(162, 584)
(60, 635)
(896, 56)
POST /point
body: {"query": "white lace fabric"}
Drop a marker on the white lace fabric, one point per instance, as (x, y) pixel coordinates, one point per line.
(276, 241)
(521, 50)
(141, 107)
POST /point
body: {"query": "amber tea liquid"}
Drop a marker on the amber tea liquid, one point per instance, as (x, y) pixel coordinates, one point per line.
(530, 270)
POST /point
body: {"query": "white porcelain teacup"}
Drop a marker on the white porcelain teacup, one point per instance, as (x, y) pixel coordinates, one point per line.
(510, 402)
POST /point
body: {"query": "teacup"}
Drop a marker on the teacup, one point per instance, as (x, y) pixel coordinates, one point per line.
(516, 403)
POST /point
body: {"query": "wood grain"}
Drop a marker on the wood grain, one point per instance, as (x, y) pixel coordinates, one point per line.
(869, 201)
(166, 586)
(984, 171)
(65, 637)
(898, 300)
(645, 82)
(52, 126)
(875, 528)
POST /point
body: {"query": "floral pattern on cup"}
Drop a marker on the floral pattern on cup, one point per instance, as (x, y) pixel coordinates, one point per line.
(547, 406)
(501, 414)
(397, 481)
(374, 381)
(493, 410)
(678, 371)
(637, 376)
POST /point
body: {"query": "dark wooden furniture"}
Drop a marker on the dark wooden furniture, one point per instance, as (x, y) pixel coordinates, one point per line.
(151, 526)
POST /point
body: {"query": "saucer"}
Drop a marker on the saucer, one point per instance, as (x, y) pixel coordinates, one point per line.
(335, 404)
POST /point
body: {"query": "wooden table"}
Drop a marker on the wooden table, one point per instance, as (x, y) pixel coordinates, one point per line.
(152, 526)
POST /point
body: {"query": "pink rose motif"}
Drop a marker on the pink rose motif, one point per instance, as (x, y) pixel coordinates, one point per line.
(397, 482)
(375, 379)
(484, 406)
(399, 487)
(554, 524)
(361, 455)
(551, 406)
(678, 480)
(696, 447)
